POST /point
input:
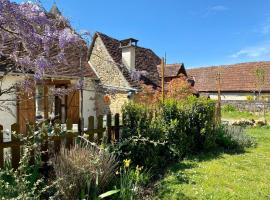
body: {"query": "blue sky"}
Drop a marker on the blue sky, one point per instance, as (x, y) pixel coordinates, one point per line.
(196, 32)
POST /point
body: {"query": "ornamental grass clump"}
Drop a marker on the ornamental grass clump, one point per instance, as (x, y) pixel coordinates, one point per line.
(233, 138)
(84, 171)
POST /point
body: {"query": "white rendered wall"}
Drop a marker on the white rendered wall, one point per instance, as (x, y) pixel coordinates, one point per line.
(89, 105)
(7, 118)
(128, 57)
(231, 96)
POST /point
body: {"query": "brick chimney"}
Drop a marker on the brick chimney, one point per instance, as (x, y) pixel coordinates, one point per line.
(128, 47)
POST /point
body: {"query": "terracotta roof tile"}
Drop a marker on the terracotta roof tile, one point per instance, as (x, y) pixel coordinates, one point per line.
(238, 77)
(146, 60)
(172, 70)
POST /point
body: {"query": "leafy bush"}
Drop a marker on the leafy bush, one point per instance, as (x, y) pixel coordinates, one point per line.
(142, 138)
(189, 125)
(233, 138)
(153, 137)
(84, 171)
(229, 108)
(250, 98)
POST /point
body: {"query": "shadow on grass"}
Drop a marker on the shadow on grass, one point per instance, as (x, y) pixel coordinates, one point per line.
(177, 171)
(177, 195)
(214, 154)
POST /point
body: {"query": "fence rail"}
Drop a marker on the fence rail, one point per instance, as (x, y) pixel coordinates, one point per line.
(60, 134)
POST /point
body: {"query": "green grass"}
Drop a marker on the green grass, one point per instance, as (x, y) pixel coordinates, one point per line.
(236, 115)
(222, 175)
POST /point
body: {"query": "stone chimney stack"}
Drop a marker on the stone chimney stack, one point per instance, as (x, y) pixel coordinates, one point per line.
(128, 47)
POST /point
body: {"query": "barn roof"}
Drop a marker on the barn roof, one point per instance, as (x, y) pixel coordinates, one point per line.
(234, 78)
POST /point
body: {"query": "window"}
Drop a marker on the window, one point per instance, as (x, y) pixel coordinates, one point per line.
(48, 105)
(40, 111)
(61, 107)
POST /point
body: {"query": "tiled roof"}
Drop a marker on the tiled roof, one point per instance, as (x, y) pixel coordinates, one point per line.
(172, 70)
(146, 60)
(234, 78)
(70, 68)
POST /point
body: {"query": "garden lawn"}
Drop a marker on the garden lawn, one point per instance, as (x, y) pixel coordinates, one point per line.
(237, 115)
(222, 175)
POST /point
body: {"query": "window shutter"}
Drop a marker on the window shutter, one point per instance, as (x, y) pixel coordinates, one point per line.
(25, 109)
(73, 106)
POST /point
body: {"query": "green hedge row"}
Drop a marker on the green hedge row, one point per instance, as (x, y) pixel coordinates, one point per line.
(176, 128)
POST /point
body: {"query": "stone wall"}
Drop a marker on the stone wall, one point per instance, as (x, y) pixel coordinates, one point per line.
(117, 100)
(105, 67)
(250, 106)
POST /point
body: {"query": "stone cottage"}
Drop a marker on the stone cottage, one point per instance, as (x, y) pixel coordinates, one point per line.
(121, 65)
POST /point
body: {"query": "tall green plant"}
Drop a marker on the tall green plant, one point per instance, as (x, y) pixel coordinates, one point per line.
(26, 182)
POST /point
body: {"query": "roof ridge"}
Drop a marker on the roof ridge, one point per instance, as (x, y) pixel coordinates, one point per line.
(229, 65)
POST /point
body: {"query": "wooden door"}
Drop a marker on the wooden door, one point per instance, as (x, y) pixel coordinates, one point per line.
(73, 106)
(25, 109)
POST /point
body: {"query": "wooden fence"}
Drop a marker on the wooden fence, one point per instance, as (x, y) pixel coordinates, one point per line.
(62, 135)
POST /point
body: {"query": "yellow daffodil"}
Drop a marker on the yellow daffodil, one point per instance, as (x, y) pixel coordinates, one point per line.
(138, 168)
(127, 163)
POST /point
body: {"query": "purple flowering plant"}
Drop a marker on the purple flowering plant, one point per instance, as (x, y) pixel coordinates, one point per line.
(33, 34)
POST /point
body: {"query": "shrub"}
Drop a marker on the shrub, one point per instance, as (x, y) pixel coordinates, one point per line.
(250, 98)
(229, 108)
(142, 138)
(83, 171)
(189, 125)
(153, 137)
(233, 138)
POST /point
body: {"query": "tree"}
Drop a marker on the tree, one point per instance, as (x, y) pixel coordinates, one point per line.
(177, 88)
(260, 83)
(33, 43)
(260, 79)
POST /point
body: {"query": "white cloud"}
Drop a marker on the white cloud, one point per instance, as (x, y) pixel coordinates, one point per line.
(214, 10)
(217, 8)
(265, 29)
(257, 51)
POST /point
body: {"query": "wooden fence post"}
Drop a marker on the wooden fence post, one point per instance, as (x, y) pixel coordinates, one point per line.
(116, 121)
(109, 128)
(69, 135)
(1, 147)
(69, 125)
(100, 128)
(15, 149)
(91, 128)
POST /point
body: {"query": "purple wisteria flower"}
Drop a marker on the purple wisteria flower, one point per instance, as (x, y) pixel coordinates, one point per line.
(39, 39)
